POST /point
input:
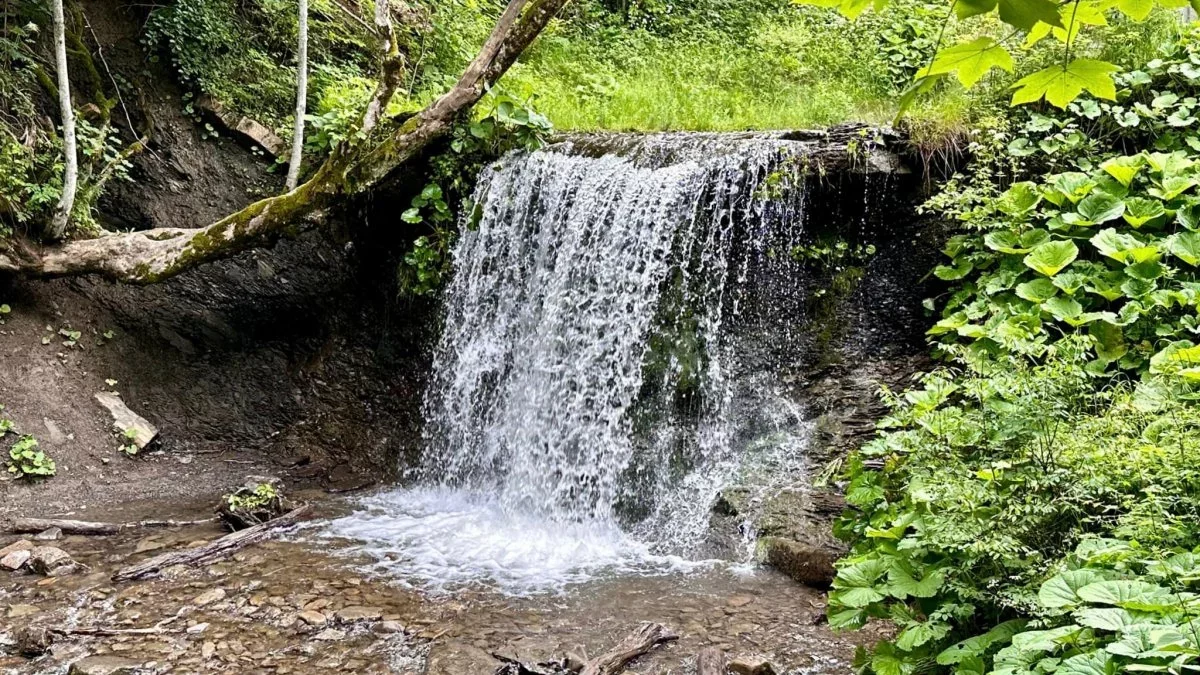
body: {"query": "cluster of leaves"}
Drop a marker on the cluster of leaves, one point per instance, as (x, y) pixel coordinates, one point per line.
(984, 480)
(1065, 413)
(510, 124)
(1118, 608)
(1109, 246)
(25, 460)
(1059, 83)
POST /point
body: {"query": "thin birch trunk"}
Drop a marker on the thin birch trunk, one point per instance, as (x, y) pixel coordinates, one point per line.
(293, 175)
(62, 215)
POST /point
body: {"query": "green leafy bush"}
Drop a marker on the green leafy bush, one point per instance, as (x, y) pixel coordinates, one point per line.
(26, 460)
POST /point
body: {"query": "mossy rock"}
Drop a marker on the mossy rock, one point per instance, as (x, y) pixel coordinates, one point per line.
(811, 565)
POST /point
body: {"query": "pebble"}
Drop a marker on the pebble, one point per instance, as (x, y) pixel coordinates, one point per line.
(15, 560)
(207, 650)
(19, 545)
(49, 534)
(209, 597)
(313, 618)
(197, 629)
(355, 614)
(17, 611)
(389, 627)
(751, 666)
(104, 665)
(330, 635)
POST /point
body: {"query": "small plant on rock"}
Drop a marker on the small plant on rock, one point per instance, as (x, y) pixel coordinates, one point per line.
(129, 446)
(255, 502)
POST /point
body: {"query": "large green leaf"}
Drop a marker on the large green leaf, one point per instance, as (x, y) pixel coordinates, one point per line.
(1124, 169)
(1185, 246)
(1096, 208)
(1063, 308)
(1061, 84)
(1062, 589)
(1045, 640)
(1024, 14)
(1051, 257)
(1104, 618)
(1110, 340)
(1137, 10)
(1019, 199)
(1127, 593)
(979, 644)
(1139, 210)
(1092, 663)
(903, 585)
(955, 271)
(1123, 247)
(1073, 185)
(1039, 290)
(970, 61)
(1176, 356)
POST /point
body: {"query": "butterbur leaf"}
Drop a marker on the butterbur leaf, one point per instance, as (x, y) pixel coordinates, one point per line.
(1104, 618)
(1145, 271)
(1061, 84)
(970, 61)
(904, 585)
(1019, 199)
(958, 270)
(978, 645)
(1051, 257)
(1063, 308)
(1189, 216)
(1062, 589)
(1039, 290)
(1139, 210)
(1185, 246)
(1092, 663)
(1074, 185)
(1124, 169)
(918, 634)
(1110, 341)
(1045, 640)
(1176, 356)
(1173, 186)
(1070, 281)
(1127, 593)
(1005, 241)
(1096, 208)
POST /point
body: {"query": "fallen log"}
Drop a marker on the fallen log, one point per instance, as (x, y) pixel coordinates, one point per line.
(648, 636)
(710, 661)
(34, 525)
(210, 552)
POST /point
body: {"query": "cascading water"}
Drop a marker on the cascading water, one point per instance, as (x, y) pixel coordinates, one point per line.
(608, 361)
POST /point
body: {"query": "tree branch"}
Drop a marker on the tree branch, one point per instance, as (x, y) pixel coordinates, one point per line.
(149, 256)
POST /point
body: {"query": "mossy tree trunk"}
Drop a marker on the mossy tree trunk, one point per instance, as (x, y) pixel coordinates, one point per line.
(150, 256)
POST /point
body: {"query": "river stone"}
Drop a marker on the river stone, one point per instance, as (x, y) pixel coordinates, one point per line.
(389, 627)
(18, 611)
(751, 666)
(15, 560)
(104, 665)
(49, 534)
(810, 565)
(313, 618)
(330, 635)
(32, 641)
(18, 545)
(208, 597)
(353, 614)
(51, 561)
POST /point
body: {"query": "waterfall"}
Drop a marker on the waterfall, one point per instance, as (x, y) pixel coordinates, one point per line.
(607, 360)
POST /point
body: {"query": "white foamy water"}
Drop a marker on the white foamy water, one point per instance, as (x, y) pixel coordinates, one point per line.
(588, 382)
(444, 539)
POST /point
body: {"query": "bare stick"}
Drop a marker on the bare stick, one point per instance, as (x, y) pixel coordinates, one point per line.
(33, 525)
(645, 638)
(211, 552)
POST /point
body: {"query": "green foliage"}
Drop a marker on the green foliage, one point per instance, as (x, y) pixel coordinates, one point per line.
(25, 460)
(128, 441)
(509, 124)
(252, 498)
(1059, 83)
(1065, 413)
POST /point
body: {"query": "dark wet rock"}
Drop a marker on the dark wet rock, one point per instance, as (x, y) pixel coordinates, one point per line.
(51, 561)
(104, 665)
(32, 641)
(806, 563)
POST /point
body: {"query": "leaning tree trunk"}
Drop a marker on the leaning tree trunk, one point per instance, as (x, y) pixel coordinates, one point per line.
(153, 255)
(62, 214)
(293, 174)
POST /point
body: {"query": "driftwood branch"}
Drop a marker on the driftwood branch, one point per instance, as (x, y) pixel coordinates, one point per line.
(150, 256)
(645, 638)
(211, 552)
(34, 525)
